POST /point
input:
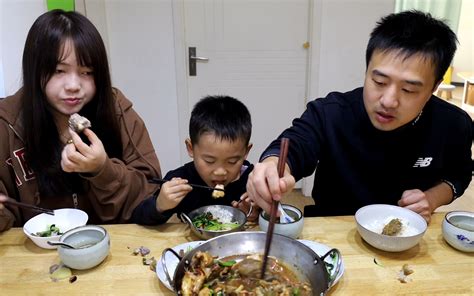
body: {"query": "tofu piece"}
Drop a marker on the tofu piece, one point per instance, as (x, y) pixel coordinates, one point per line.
(218, 193)
(78, 123)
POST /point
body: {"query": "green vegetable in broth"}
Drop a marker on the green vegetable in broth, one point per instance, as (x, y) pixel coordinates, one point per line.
(207, 221)
(50, 231)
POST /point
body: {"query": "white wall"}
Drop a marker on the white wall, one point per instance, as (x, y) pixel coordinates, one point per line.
(16, 17)
(464, 58)
(142, 58)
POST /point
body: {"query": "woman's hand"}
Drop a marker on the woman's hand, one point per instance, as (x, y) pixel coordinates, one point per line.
(3, 198)
(82, 158)
(172, 193)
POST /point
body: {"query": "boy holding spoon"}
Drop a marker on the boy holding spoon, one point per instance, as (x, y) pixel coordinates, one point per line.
(220, 128)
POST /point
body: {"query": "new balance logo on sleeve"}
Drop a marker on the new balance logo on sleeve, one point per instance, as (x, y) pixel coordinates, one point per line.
(423, 162)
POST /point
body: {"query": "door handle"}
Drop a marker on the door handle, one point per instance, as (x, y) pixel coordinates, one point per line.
(192, 58)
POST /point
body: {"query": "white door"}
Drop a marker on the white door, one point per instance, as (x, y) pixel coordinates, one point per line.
(257, 53)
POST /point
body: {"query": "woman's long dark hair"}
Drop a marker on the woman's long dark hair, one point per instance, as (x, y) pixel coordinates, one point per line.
(44, 48)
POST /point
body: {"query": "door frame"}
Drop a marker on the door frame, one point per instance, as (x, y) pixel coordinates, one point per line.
(312, 71)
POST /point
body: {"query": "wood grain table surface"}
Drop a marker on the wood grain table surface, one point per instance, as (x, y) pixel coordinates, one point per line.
(438, 268)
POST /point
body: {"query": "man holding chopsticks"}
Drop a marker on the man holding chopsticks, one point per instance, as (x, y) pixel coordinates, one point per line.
(391, 141)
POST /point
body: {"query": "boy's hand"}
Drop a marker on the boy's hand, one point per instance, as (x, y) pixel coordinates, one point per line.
(81, 158)
(172, 193)
(245, 205)
(264, 185)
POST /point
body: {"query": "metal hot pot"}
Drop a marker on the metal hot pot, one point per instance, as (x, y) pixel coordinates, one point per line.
(297, 256)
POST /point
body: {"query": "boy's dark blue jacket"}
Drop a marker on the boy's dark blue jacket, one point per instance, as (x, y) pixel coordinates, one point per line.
(146, 213)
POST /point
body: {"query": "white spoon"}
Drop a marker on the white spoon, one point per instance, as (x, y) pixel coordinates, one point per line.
(284, 217)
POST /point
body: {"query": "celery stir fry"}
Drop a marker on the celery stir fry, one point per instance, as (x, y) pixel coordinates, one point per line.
(50, 231)
(207, 221)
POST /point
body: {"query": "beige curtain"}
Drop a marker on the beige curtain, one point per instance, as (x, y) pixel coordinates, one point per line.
(447, 10)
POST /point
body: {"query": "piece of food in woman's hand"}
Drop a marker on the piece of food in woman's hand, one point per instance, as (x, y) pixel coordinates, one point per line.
(79, 123)
(393, 227)
(218, 193)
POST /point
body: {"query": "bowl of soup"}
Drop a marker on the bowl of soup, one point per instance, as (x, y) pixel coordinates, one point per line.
(91, 245)
(235, 261)
(458, 230)
(290, 229)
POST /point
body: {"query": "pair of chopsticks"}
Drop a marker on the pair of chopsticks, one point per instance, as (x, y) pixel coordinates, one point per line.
(285, 142)
(28, 206)
(161, 181)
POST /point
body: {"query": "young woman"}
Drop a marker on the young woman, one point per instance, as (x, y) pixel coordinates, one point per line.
(104, 170)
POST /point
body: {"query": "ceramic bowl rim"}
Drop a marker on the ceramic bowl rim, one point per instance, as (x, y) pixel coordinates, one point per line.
(291, 207)
(451, 214)
(425, 224)
(79, 229)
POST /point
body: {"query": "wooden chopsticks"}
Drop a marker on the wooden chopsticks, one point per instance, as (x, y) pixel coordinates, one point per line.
(161, 181)
(273, 211)
(28, 206)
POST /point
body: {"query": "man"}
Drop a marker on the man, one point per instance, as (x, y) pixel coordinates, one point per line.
(390, 141)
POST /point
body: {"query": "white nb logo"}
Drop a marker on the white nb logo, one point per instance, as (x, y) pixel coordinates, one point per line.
(423, 162)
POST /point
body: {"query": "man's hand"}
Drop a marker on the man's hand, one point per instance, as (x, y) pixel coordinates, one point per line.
(81, 158)
(417, 201)
(264, 185)
(172, 193)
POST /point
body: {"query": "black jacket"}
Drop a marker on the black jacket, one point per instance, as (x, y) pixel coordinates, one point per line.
(357, 165)
(146, 213)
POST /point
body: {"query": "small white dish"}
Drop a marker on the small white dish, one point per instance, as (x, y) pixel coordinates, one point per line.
(172, 261)
(290, 229)
(92, 245)
(458, 230)
(64, 219)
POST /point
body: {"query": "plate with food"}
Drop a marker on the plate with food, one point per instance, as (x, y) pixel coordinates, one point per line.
(321, 250)
(172, 261)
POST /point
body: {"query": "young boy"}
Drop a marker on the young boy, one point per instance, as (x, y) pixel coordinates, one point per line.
(220, 128)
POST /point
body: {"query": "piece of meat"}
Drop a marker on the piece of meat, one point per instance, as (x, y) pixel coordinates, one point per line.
(78, 123)
(393, 227)
(218, 193)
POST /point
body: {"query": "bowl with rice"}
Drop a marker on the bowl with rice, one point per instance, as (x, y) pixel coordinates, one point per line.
(211, 221)
(390, 228)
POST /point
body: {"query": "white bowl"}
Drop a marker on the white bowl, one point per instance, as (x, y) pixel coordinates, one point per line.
(92, 243)
(458, 230)
(292, 229)
(372, 218)
(64, 219)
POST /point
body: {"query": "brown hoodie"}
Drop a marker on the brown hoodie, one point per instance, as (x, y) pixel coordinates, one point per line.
(111, 195)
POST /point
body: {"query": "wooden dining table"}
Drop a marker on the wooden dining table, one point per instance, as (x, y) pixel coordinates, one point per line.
(438, 268)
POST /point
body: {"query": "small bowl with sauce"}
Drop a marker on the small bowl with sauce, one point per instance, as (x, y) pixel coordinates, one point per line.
(91, 246)
(292, 229)
(458, 230)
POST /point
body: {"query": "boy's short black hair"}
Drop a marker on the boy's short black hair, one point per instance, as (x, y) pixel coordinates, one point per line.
(226, 117)
(412, 32)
